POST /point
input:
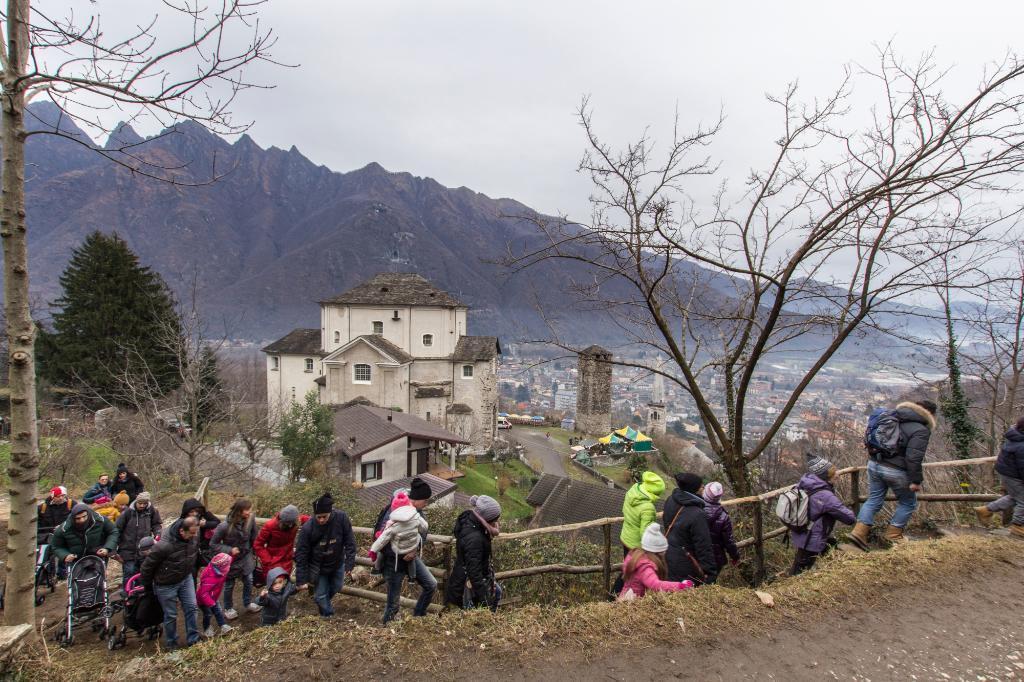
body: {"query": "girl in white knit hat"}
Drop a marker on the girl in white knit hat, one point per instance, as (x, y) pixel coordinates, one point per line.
(645, 567)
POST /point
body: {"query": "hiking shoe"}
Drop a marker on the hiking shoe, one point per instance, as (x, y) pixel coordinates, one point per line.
(225, 629)
(984, 515)
(254, 608)
(894, 534)
(1017, 529)
(208, 632)
(230, 614)
(859, 535)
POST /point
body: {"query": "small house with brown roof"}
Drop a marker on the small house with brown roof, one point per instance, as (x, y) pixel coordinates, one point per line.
(396, 341)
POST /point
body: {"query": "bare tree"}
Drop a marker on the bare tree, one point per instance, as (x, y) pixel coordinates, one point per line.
(84, 70)
(812, 250)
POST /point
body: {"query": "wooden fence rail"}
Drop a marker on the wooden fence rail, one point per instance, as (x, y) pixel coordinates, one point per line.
(607, 567)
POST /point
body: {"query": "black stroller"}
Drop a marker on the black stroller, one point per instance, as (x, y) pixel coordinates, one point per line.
(46, 572)
(87, 599)
(142, 614)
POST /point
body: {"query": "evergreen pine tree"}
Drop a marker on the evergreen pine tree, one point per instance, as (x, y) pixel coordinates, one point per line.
(114, 315)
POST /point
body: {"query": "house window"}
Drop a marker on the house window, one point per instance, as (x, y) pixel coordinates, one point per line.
(467, 371)
(309, 364)
(428, 339)
(378, 327)
(337, 337)
(372, 471)
(293, 394)
(275, 363)
(361, 374)
(428, 416)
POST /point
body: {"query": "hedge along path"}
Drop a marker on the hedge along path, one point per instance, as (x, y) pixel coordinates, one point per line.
(519, 636)
(607, 567)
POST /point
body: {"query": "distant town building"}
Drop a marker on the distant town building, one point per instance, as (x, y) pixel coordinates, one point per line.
(594, 391)
(396, 341)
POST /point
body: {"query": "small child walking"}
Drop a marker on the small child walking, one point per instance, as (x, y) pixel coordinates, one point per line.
(211, 584)
(274, 598)
(720, 526)
(403, 531)
(645, 568)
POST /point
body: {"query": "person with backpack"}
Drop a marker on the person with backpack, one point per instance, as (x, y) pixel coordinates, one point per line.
(325, 553)
(472, 583)
(167, 572)
(140, 520)
(1010, 467)
(690, 555)
(645, 569)
(53, 511)
(235, 536)
(896, 441)
(720, 526)
(823, 508)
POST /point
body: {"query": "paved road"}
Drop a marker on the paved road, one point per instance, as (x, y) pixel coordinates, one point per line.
(541, 450)
(235, 452)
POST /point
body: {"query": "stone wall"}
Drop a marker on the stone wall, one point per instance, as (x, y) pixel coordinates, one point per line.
(594, 392)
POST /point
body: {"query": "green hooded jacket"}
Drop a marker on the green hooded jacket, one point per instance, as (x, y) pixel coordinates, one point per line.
(638, 508)
(99, 532)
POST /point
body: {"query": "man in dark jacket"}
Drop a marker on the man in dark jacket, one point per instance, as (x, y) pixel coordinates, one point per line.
(690, 554)
(474, 530)
(1010, 467)
(101, 488)
(208, 523)
(901, 472)
(128, 482)
(396, 569)
(325, 553)
(83, 532)
(139, 520)
(167, 570)
(52, 512)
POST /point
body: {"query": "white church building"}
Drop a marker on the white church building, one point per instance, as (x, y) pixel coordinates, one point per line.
(398, 342)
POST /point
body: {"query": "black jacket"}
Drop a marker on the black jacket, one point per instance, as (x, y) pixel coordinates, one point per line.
(275, 604)
(472, 563)
(171, 560)
(688, 536)
(1011, 456)
(324, 549)
(49, 516)
(916, 425)
(225, 538)
(206, 532)
(132, 486)
(135, 525)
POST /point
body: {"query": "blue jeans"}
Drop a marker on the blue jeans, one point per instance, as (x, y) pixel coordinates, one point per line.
(1014, 499)
(128, 569)
(327, 585)
(229, 589)
(416, 571)
(213, 611)
(169, 596)
(882, 479)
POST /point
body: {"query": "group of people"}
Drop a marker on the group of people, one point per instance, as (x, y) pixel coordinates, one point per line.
(197, 562)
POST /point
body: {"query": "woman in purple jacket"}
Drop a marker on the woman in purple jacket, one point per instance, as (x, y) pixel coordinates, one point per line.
(720, 525)
(824, 509)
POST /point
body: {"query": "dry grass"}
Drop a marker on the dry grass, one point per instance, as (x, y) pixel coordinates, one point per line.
(518, 635)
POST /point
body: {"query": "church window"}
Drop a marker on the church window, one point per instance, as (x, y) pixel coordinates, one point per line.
(361, 374)
(428, 339)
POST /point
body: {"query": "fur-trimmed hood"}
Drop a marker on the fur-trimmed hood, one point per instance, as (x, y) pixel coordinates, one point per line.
(926, 417)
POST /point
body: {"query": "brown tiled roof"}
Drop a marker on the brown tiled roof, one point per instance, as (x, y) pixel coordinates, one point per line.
(474, 348)
(297, 342)
(372, 428)
(573, 501)
(378, 495)
(386, 347)
(396, 288)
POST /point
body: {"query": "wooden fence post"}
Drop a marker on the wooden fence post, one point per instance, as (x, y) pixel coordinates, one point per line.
(855, 491)
(447, 553)
(758, 544)
(607, 558)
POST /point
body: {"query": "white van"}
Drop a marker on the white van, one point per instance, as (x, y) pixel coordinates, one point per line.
(504, 423)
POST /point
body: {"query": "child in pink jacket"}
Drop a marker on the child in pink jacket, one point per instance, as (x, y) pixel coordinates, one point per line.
(645, 567)
(211, 584)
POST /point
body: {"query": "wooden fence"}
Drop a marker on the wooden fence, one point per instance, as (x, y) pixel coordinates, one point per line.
(607, 567)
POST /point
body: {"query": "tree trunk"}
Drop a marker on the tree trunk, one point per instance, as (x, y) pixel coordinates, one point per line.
(736, 471)
(19, 605)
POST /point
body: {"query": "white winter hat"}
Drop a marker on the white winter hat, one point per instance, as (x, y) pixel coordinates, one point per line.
(653, 540)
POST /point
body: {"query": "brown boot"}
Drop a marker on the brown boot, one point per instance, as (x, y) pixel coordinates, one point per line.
(1017, 529)
(859, 535)
(894, 534)
(984, 515)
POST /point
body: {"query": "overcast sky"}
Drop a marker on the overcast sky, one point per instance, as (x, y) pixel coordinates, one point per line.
(482, 94)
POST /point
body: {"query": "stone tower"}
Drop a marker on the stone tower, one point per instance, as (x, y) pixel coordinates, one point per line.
(594, 391)
(656, 408)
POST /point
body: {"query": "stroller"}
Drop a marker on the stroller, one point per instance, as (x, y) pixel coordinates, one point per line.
(46, 572)
(142, 614)
(87, 599)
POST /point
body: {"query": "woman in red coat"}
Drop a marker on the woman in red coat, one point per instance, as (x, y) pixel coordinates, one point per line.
(275, 544)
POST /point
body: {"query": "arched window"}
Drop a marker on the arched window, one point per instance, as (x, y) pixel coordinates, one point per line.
(337, 337)
(275, 363)
(428, 339)
(309, 364)
(361, 374)
(467, 371)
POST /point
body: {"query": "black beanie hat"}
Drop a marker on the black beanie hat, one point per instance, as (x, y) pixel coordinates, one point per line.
(324, 504)
(688, 482)
(419, 489)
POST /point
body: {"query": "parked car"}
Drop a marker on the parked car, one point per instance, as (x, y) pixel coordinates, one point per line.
(504, 423)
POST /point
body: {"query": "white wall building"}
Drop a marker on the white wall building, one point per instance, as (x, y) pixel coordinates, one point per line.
(399, 342)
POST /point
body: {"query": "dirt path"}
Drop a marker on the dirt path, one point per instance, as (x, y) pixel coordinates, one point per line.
(966, 631)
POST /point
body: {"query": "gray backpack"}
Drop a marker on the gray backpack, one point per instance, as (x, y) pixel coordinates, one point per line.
(793, 509)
